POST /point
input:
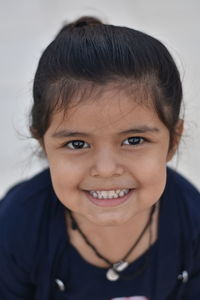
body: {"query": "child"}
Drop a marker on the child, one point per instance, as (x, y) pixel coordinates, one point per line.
(108, 219)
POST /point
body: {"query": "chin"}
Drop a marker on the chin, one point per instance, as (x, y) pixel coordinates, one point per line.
(110, 219)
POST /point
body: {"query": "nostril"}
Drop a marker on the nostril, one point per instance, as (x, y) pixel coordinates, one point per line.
(106, 170)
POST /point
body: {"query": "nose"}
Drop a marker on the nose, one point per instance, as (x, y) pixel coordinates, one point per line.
(106, 163)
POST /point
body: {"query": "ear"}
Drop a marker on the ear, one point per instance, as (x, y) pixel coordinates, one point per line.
(177, 136)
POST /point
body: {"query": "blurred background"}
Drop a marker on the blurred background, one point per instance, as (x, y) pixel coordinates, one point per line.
(28, 26)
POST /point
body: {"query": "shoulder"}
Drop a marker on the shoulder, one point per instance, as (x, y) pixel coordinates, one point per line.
(24, 214)
(27, 197)
(184, 197)
(27, 194)
(30, 187)
(174, 177)
(182, 187)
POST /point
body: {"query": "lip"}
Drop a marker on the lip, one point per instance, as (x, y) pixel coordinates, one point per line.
(109, 202)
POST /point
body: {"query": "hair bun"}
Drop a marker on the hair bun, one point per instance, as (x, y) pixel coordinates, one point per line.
(86, 21)
(81, 22)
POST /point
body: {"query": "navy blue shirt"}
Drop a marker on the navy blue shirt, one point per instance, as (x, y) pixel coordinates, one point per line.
(37, 262)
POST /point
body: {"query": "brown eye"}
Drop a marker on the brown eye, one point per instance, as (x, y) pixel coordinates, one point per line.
(77, 144)
(134, 140)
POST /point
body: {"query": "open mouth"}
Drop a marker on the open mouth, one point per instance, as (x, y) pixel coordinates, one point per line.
(109, 198)
(113, 194)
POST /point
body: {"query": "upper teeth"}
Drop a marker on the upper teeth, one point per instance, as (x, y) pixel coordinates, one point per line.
(109, 194)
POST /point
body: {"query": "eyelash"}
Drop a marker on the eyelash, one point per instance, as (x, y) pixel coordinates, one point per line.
(140, 140)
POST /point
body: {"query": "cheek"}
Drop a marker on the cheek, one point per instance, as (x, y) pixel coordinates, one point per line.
(65, 182)
(152, 170)
(150, 163)
(151, 176)
(153, 184)
(66, 175)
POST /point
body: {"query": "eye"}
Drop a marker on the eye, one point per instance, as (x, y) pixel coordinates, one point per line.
(77, 144)
(134, 141)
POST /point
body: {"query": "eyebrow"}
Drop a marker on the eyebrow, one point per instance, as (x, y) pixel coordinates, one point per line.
(70, 133)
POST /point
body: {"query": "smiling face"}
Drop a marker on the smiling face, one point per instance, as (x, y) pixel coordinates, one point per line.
(107, 158)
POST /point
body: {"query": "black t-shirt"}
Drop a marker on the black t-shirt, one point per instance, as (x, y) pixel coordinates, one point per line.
(37, 261)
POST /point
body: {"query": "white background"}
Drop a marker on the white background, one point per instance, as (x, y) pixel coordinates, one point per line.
(27, 26)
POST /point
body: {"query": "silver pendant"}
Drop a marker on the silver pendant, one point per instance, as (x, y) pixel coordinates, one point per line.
(112, 275)
(120, 266)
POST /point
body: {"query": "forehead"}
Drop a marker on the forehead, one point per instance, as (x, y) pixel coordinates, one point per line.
(109, 109)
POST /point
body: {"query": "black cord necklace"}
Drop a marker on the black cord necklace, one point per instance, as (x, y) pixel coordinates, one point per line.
(114, 270)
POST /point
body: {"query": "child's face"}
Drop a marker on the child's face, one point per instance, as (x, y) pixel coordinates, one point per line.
(122, 146)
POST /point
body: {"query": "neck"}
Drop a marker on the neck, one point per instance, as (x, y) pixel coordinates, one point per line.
(106, 238)
(111, 232)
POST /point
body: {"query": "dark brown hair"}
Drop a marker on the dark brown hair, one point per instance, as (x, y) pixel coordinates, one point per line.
(86, 54)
